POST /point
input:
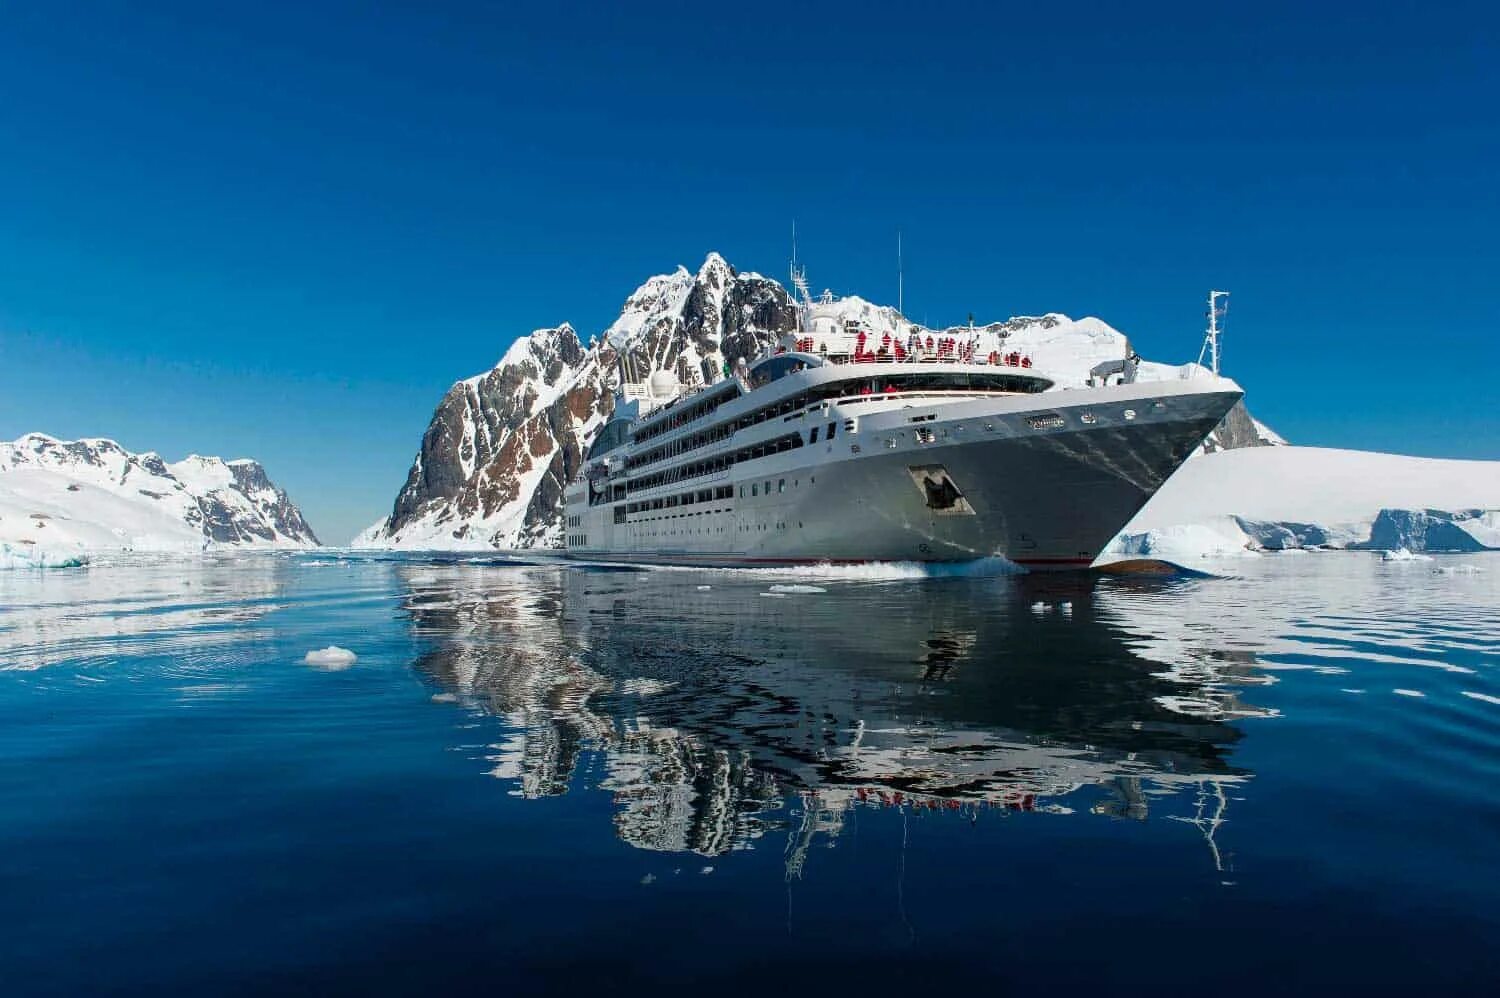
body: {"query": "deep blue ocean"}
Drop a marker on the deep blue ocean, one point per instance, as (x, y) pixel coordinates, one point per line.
(550, 778)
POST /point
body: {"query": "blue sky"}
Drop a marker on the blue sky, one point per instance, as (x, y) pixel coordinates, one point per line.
(282, 231)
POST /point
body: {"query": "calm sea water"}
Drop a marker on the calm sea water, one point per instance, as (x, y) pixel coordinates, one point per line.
(539, 777)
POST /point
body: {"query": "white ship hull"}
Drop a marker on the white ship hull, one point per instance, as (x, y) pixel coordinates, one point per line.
(1045, 480)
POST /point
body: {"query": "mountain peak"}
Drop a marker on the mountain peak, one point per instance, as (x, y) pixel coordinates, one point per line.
(714, 263)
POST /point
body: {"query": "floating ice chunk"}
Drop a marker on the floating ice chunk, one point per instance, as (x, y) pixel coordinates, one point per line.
(445, 698)
(1409, 693)
(422, 579)
(706, 870)
(1351, 691)
(1480, 696)
(703, 588)
(1457, 570)
(1401, 554)
(1184, 543)
(332, 658)
(19, 558)
(644, 687)
(797, 589)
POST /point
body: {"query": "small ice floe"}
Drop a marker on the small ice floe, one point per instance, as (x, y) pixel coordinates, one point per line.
(706, 870)
(648, 879)
(422, 579)
(642, 687)
(445, 698)
(319, 563)
(1480, 696)
(1408, 693)
(332, 658)
(1351, 691)
(1402, 554)
(1464, 569)
(704, 588)
(797, 589)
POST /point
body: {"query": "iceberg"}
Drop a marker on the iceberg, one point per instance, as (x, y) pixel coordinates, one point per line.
(332, 658)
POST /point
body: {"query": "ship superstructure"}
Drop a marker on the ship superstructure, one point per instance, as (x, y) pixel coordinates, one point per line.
(844, 446)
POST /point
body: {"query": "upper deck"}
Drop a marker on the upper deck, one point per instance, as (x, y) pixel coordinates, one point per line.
(830, 358)
(860, 371)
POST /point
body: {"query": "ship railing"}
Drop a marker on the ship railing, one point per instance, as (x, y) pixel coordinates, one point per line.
(996, 359)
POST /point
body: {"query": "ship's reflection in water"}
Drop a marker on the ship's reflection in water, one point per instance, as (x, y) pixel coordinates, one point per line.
(723, 710)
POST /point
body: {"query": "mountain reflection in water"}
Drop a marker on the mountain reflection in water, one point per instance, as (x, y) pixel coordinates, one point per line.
(721, 714)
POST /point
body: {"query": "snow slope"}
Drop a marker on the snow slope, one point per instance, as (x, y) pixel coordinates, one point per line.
(63, 500)
(1293, 497)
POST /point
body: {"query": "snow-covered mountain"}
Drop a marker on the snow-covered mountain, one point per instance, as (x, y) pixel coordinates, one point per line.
(501, 445)
(63, 498)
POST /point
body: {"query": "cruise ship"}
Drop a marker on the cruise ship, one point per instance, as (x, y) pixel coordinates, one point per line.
(839, 447)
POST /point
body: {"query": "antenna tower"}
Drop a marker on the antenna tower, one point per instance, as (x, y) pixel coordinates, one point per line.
(802, 297)
(1216, 312)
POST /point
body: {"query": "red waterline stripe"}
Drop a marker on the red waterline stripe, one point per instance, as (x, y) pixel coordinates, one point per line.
(730, 559)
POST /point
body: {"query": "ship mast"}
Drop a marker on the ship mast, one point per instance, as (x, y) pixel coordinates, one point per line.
(802, 298)
(1211, 338)
(900, 279)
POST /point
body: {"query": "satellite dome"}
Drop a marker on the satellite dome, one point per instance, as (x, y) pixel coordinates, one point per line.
(663, 385)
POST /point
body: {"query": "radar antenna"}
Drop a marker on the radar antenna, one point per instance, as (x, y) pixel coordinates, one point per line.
(1216, 312)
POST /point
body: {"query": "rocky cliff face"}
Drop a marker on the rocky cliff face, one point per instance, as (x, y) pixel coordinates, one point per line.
(501, 446)
(95, 491)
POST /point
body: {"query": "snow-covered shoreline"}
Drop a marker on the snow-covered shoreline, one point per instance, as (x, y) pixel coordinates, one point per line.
(66, 502)
(1240, 502)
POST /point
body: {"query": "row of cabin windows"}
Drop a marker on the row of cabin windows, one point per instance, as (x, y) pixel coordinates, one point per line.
(719, 462)
(755, 488)
(901, 382)
(724, 430)
(672, 502)
(687, 414)
(701, 496)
